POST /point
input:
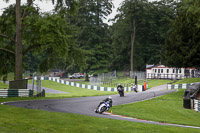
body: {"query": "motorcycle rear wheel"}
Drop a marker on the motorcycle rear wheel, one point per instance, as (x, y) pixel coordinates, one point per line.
(103, 109)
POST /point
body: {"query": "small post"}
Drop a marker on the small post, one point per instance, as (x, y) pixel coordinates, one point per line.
(33, 80)
(135, 80)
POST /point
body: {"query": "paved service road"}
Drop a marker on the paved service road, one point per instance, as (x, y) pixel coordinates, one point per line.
(86, 105)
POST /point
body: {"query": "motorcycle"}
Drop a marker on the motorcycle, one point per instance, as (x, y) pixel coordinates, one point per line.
(103, 107)
(120, 91)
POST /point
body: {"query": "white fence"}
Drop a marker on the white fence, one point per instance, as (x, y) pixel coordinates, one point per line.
(15, 92)
(197, 105)
(92, 87)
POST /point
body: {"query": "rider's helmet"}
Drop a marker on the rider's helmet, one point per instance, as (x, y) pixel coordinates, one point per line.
(110, 98)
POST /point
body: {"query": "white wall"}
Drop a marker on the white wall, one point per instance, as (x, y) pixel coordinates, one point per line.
(161, 72)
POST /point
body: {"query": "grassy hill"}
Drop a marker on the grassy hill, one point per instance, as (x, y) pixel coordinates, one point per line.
(187, 80)
(167, 108)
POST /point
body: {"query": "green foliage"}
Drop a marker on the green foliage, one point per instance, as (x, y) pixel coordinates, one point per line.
(93, 34)
(67, 6)
(182, 48)
(55, 38)
(7, 55)
(151, 24)
(48, 39)
(74, 37)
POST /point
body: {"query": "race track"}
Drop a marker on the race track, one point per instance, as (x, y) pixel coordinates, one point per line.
(86, 105)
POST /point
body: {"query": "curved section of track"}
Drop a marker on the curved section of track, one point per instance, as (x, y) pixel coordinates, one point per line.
(86, 105)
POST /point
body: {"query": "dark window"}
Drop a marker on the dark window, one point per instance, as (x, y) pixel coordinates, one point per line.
(176, 70)
(167, 70)
(158, 70)
(155, 70)
(161, 70)
(173, 70)
(180, 70)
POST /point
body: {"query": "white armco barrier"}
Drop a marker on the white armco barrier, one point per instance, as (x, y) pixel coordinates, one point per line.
(15, 92)
(197, 105)
(58, 80)
(139, 88)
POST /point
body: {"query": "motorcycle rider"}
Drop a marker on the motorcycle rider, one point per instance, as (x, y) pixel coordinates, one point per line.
(109, 99)
(133, 87)
(120, 89)
(120, 86)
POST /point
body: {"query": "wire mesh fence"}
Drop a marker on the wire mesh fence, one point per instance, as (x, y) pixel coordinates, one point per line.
(27, 74)
(140, 75)
(110, 79)
(103, 78)
(36, 85)
(96, 81)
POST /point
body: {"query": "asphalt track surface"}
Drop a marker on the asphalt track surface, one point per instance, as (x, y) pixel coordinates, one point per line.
(86, 105)
(47, 90)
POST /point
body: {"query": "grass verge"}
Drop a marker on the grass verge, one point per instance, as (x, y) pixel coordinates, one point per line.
(3, 86)
(151, 82)
(14, 119)
(187, 80)
(167, 108)
(157, 82)
(72, 91)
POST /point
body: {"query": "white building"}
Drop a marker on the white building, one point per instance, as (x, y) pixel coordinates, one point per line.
(163, 72)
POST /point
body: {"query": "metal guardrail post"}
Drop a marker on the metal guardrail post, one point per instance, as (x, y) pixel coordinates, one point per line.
(33, 80)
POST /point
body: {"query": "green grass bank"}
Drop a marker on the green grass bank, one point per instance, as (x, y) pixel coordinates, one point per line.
(18, 120)
(167, 108)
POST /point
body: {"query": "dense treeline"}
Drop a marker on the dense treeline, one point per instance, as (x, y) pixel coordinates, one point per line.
(75, 38)
(139, 33)
(182, 47)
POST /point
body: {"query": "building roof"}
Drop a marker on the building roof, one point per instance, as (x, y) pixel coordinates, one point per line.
(151, 66)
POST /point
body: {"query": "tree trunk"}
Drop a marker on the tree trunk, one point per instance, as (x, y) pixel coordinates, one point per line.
(86, 76)
(132, 45)
(18, 52)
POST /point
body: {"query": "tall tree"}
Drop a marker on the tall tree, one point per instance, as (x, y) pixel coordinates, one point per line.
(182, 47)
(139, 32)
(21, 15)
(93, 36)
(132, 14)
(131, 10)
(18, 51)
(49, 34)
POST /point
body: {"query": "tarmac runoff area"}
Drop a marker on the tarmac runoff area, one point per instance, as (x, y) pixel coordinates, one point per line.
(47, 90)
(86, 105)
